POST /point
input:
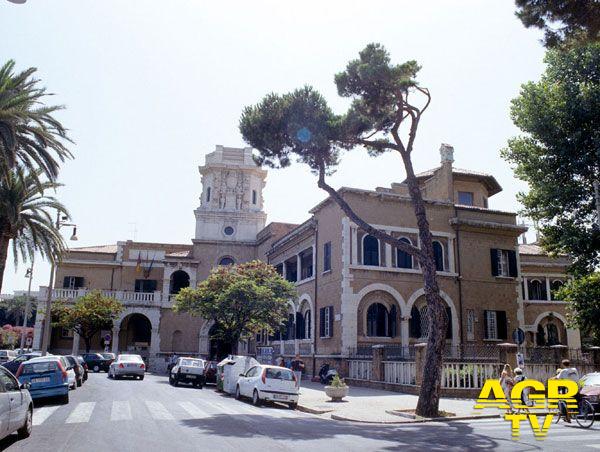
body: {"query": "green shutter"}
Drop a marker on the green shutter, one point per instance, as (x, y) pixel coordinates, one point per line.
(494, 261)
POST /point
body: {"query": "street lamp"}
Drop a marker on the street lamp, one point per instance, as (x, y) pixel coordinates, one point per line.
(28, 274)
(60, 222)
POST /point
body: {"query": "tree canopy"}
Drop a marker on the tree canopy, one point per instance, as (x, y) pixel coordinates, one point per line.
(558, 154)
(564, 22)
(583, 296)
(242, 300)
(89, 315)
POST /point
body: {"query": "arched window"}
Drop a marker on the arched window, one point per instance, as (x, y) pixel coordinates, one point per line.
(403, 260)
(540, 336)
(300, 326)
(414, 324)
(377, 320)
(552, 334)
(307, 324)
(370, 250)
(419, 323)
(226, 261)
(536, 289)
(438, 255)
(424, 318)
(555, 286)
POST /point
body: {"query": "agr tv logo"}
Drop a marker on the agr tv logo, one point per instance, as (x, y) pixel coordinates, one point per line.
(528, 400)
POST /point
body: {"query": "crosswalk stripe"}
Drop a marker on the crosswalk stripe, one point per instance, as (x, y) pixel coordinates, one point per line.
(43, 413)
(571, 438)
(121, 411)
(81, 413)
(158, 411)
(193, 410)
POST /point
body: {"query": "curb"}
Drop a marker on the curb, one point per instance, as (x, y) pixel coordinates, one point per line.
(415, 421)
(312, 410)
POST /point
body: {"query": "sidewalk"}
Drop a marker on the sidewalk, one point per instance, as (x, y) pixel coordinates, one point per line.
(372, 405)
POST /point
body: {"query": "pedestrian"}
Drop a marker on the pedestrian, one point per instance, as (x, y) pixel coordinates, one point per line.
(566, 372)
(297, 366)
(507, 382)
(279, 361)
(519, 377)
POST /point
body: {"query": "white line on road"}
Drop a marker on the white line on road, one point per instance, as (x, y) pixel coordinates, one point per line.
(41, 414)
(572, 438)
(81, 413)
(193, 410)
(121, 411)
(158, 411)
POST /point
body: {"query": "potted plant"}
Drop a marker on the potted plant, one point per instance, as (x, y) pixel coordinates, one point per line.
(337, 390)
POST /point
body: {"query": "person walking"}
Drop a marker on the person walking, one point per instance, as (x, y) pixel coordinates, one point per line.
(525, 401)
(297, 366)
(279, 361)
(507, 382)
(566, 372)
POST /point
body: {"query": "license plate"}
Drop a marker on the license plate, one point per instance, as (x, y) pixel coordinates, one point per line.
(40, 380)
(191, 377)
(280, 397)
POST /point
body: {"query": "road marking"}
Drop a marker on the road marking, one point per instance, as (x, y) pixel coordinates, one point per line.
(571, 438)
(41, 414)
(193, 410)
(121, 411)
(158, 411)
(81, 413)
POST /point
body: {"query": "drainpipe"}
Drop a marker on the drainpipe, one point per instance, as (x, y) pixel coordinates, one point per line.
(459, 277)
(314, 316)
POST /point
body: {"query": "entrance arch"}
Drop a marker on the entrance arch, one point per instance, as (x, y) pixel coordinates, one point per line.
(135, 334)
(179, 280)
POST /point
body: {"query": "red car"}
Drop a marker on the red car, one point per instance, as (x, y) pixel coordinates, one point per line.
(210, 372)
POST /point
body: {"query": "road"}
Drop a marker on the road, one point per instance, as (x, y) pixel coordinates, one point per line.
(151, 415)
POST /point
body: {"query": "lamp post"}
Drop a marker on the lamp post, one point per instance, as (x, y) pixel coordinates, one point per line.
(48, 311)
(28, 274)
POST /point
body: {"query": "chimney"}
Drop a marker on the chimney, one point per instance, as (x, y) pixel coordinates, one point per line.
(446, 154)
(447, 181)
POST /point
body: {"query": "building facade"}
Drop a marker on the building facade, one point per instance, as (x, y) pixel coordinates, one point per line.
(353, 291)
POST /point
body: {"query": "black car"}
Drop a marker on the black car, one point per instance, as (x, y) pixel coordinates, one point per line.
(84, 365)
(13, 365)
(96, 362)
(77, 368)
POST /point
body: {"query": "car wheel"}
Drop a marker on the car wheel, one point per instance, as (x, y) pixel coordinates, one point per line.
(171, 380)
(79, 383)
(238, 394)
(96, 368)
(141, 377)
(256, 398)
(293, 405)
(65, 399)
(25, 431)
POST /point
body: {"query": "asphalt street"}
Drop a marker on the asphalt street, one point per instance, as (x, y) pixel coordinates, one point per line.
(151, 415)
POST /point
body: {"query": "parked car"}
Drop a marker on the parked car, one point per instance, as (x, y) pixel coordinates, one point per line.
(590, 389)
(96, 362)
(13, 365)
(16, 406)
(47, 376)
(188, 370)
(84, 365)
(77, 368)
(210, 372)
(109, 356)
(7, 355)
(268, 383)
(127, 365)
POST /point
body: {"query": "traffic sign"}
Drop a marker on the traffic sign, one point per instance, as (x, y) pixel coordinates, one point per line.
(28, 341)
(107, 337)
(518, 336)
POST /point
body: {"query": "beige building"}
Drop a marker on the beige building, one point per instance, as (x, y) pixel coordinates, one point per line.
(352, 290)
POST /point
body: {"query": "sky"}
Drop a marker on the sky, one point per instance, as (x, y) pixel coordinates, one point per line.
(150, 87)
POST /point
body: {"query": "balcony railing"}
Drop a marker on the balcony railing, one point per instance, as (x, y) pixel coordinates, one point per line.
(126, 296)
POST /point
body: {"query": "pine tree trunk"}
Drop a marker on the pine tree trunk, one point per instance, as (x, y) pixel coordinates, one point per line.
(4, 241)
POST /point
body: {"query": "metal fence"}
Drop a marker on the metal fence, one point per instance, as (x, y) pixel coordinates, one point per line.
(360, 369)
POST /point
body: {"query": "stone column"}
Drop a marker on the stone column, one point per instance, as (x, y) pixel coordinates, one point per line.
(420, 350)
(378, 370)
(548, 294)
(573, 338)
(525, 289)
(75, 349)
(451, 265)
(298, 268)
(354, 241)
(508, 354)
(388, 253)
(404, 331)
(115, 340)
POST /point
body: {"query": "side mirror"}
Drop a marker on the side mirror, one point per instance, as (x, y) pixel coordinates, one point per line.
(25, 385)
(242, 375)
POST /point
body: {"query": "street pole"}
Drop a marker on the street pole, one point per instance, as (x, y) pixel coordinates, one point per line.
(47, 314)
(27, 306)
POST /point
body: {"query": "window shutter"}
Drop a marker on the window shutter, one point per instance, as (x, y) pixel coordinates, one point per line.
(330, 321)
(392, 322)
(512, 263)
(502, 325)
(415, 323)
(449, 318)
(485, 323)
(322, 322)
(79, 282)
(66, 282)
(494, 257)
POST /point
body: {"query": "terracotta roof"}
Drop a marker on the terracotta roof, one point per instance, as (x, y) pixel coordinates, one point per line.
(108, 249)
(531, 248)
(491, 182)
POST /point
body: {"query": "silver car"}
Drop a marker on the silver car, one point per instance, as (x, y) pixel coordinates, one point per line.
(127, 365)
(16, 407)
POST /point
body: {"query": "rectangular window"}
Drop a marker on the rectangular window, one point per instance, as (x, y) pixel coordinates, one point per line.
(327, 256)
(504, 262)
(73, 282)
(495, 325)
(465, 198)
(326, 322)
(306, 264)
(279, 269)
(145, 285)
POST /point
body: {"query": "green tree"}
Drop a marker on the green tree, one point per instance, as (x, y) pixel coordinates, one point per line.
(89, 315)
(25, 219)
(15, 307)
(570, 22)
(301, 125)
(242, 300)
(29, 133)
(583, 296)
(558, 154)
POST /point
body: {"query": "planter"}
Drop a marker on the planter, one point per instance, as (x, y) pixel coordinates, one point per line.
(336, 394)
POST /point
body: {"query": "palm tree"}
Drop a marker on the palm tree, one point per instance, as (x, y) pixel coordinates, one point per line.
(29, 134)
(25, 219)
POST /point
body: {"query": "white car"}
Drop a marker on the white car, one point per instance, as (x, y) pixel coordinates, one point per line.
(188, 370)
(269, 383)
(16, 407)
(127, 365)
(7, 355)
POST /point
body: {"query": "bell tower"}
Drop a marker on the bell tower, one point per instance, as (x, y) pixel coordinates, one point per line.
(231, 204)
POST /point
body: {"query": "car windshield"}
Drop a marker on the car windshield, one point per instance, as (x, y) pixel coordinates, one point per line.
(592, 380)
(38, 368)
(191, 362)
(279, 374)
(108, 355)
